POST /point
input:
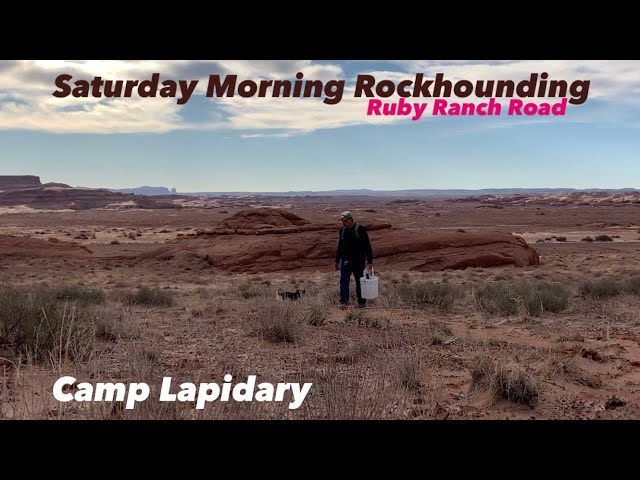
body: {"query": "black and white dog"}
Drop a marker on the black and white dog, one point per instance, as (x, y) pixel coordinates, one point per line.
(297, 294)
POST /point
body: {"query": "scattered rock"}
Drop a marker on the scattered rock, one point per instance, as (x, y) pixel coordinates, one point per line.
(614, 402)
(591, 355)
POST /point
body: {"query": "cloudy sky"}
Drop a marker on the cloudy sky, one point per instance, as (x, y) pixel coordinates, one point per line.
(280, 144)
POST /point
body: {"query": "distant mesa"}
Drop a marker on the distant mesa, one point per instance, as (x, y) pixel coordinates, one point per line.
(28, 190)
(145, 190)
(56, 185)
(586, 198)
(415, 193)
(18, 182)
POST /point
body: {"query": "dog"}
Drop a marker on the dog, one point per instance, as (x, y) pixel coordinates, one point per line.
(297, 294)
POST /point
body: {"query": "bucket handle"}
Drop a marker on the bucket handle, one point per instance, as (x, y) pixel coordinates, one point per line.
(373, 273)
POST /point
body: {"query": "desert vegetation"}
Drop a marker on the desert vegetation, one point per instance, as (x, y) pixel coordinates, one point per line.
(555, 337)
(378, 362)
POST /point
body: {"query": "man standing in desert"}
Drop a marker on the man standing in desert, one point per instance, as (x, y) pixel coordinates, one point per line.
(354, 250)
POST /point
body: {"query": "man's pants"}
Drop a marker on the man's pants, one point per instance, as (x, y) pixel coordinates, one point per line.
(346, 270)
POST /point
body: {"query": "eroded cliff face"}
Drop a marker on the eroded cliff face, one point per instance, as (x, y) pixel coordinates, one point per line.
(18, 182)
(29, 191)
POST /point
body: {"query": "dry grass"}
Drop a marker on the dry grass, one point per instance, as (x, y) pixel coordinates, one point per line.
(425, 294)
(356, 350)
(150, 297)
(278, 322)
(439, 333)
(248, 290)
(408, 370)
(632, 285)
(316, 314)
(528, 298)
(602, 288)
(505, 379)
(608, 287)
(356, 392)
(82, 295)
(36, 324)
(115, 322)
(375, 372)
(364, 319)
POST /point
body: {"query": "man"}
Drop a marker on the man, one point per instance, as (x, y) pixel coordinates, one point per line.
(354, 249)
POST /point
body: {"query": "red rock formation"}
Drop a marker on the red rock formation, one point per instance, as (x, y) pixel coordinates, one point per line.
(37, 247)
(312, 247)
(261, 218)
(63, 197)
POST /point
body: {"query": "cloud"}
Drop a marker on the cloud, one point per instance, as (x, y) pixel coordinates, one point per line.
(271, 135)
(26, 88)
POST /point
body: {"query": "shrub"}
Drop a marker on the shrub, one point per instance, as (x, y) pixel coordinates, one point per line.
(316, 315)
(531, 298)
(112, 324)
(408, 371)
(508, 380)
(632, 285)
(603, 238)
(587, 239)
(422, 294)
(39, 325)
(278, 322)
(80, 294)
(150, 297)
(249, 290)
(439, 332)
(602, 288)
(361, 319)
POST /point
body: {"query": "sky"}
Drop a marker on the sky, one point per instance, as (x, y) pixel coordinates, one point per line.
(301, 144)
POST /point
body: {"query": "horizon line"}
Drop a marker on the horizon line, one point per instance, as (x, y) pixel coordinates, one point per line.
(178, 191)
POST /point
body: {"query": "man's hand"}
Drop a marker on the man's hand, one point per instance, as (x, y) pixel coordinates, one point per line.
(337, 266)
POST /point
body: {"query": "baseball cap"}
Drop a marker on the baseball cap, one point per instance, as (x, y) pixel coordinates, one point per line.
(345, 215)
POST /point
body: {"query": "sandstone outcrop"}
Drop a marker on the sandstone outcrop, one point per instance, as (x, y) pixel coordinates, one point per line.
(37, 247)
(312, 246)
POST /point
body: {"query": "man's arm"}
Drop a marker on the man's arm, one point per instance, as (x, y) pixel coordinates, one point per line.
(368, 251)
(339, 248)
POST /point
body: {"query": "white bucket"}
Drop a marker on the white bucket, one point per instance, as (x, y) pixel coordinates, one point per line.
(369, 285)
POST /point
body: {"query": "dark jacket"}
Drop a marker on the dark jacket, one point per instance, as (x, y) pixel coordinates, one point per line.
(352, 248)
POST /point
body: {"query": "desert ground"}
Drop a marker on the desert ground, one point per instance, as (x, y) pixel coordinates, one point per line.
(555, 340)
